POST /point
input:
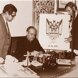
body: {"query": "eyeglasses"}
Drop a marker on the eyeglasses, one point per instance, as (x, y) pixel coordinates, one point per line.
(13, 15)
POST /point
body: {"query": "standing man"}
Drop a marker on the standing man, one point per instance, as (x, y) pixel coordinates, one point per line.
(9, 12)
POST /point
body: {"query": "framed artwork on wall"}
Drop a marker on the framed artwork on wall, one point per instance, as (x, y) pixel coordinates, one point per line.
(61, 4)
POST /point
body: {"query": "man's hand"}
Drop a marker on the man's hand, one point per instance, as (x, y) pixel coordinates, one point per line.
(1, 60)
(69, 39)
(35, 53)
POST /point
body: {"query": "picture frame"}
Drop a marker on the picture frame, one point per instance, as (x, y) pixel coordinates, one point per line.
(61, 4)
(51, 28)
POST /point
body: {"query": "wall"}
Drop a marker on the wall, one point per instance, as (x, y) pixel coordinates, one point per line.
(77, 3)
(23, 18)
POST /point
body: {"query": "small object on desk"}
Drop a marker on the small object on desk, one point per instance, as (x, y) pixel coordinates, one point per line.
(36, 63)
(26, 62)
(41, 55)
(1, 60)
(63, 62)
(35, 53)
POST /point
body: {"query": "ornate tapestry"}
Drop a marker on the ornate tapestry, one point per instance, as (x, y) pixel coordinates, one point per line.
(41, 7)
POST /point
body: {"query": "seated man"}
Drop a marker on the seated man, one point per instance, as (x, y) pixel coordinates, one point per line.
(28, 44)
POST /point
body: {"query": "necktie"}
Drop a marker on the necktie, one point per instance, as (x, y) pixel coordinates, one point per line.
(8, 31)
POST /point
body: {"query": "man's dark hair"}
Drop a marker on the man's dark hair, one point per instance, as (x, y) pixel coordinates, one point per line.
(10, 8)
(71, 5)
(31, 27)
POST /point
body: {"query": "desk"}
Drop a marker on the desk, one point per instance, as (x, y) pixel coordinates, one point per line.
(53, 72)
(73, 73)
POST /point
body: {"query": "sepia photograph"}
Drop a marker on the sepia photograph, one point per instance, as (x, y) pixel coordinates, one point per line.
(38, 38)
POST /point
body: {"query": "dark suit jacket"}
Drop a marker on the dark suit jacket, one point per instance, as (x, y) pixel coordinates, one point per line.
(75, 33)
(5, 38)
(24, 45)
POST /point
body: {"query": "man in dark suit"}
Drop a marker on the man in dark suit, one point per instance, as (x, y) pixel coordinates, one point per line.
(9, 12)
(28, 44)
